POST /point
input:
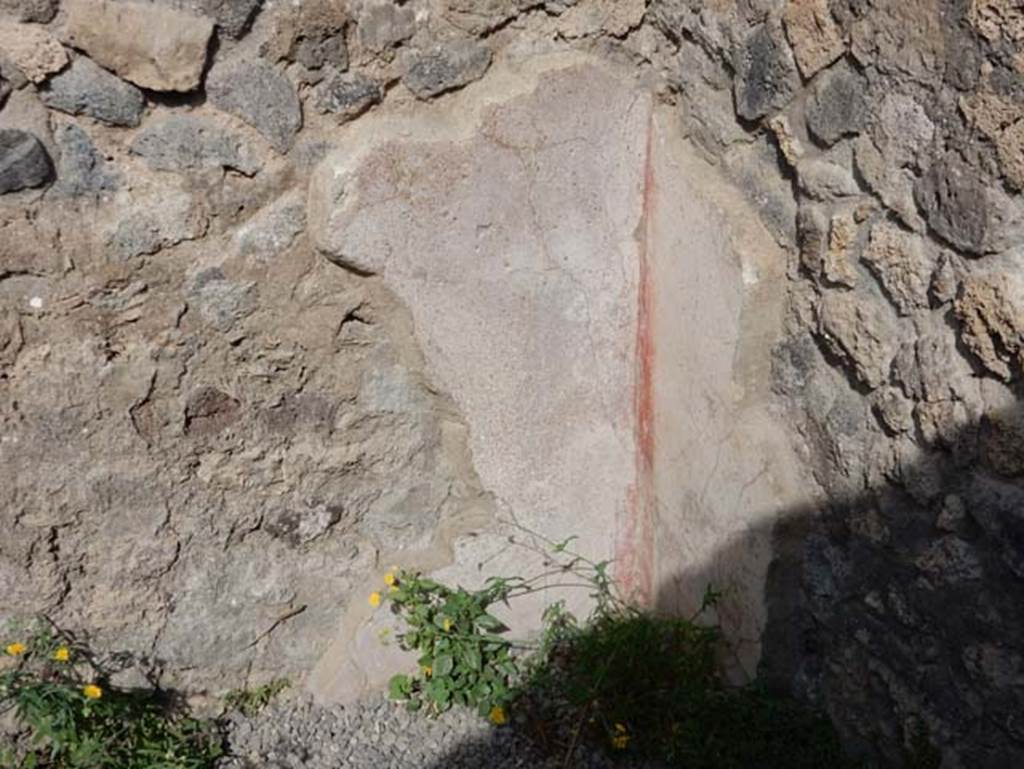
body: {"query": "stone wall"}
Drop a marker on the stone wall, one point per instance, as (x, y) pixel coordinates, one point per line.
(227, 406)
(894, 132)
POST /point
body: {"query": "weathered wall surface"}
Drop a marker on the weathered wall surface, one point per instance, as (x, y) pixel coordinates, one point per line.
(231, 395)
(894, 129)
(577, 235)
(723, 466)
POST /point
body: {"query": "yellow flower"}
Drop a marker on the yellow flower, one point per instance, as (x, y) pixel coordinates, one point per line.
(447, 624)
(62, 654)
(15, 649)
(389, 579)
(374, 599)
(427, 671)
(92, 691)
(498, 716)
(621, 737)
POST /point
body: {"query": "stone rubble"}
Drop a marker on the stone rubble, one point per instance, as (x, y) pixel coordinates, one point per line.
(298, 734)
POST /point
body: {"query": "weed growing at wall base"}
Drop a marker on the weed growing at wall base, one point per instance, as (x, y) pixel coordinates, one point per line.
(75, 719)
(633, 682)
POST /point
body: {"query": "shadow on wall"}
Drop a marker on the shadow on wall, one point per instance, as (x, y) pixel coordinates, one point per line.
(914, 592)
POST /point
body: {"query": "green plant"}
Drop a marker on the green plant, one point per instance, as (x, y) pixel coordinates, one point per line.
(465, 658)
(250, 701)
(625, 678)
(76, 719)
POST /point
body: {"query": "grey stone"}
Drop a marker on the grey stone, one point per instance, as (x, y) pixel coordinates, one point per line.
(905, 39)
(766, 75)
(446, 67)
(321, 50)
(39, 11)
(383, 24)
(24, 161)
(966, 210)
(312, 34)
(857, 332)
(85, 88)
(822, 180)
(929, 370)
(754, 168)
(155, 222)
(477, 17)
(222, 303)
(348, 96)
(895, 411)
(838, 104)
(902, 130)
(187, 143)
(944, 279)
(893, 184)
(708, 108)
(25, 111)
(232, 17)
(273, 230)
(81, 170)
(898, 260)
(688, 20)
(261, 96)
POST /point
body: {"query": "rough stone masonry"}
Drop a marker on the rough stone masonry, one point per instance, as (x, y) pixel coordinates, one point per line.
(756, 271)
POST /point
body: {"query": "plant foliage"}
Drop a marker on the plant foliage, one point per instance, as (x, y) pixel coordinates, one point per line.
(75, 719)
(626, 678)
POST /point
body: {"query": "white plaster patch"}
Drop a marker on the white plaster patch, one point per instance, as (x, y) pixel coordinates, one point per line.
(578, 289)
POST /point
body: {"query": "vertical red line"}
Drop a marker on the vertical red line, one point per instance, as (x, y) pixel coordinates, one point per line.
(635, 547)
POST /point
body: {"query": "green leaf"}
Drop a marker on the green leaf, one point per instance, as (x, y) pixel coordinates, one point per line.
(443, 665)
(399, 687)
(439, 692)
(490, 622)
(473, 659)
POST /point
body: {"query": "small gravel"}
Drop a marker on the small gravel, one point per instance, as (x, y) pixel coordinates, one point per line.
(378, 734)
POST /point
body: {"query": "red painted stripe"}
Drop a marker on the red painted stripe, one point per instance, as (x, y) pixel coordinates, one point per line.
(635, 546)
